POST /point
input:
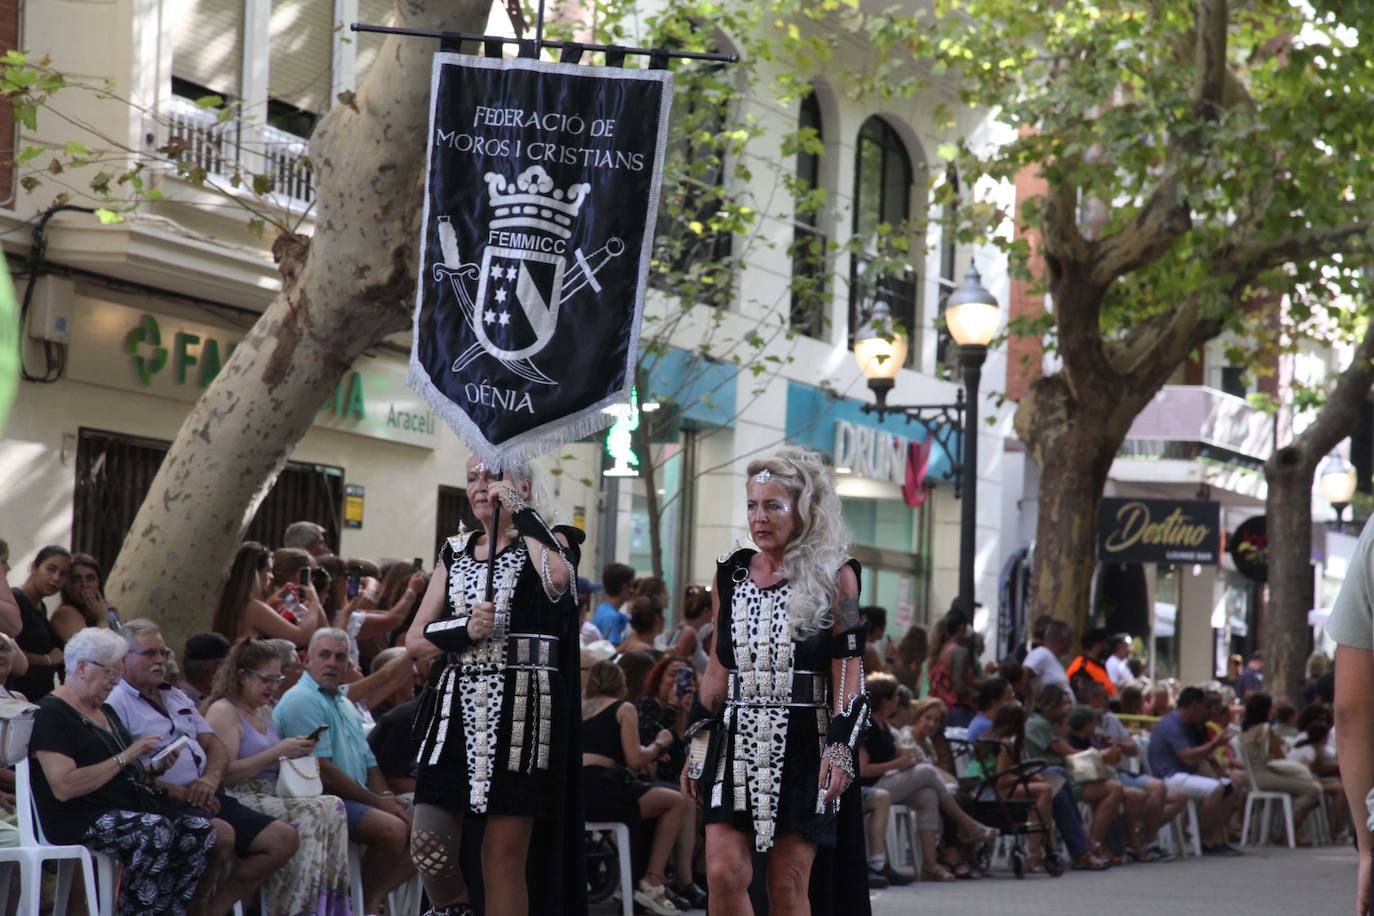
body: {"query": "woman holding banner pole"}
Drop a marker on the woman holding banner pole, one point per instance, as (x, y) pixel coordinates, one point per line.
(500, 715)
(782, 707)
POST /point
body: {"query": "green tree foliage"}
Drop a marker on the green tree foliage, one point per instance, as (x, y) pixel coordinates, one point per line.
(1206, 164)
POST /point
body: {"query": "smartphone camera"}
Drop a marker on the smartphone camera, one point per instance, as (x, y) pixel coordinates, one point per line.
(303, 576)
(685, 678)
(417, 564)
(354, 581)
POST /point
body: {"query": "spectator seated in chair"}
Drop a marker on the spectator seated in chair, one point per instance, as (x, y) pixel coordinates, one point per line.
(1271, 769)
(91, 789)
(1045, 740)
(1178, 752)
(315, 880)
(611, 753)
(348, 769)
(911, 780)
(194, 783)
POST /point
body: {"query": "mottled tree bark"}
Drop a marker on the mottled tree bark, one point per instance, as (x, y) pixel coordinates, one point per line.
(1288, 521)
(343, 290)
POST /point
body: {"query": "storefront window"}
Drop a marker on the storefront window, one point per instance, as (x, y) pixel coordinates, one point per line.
(891, 541)
(671, 502)
(1164, 655)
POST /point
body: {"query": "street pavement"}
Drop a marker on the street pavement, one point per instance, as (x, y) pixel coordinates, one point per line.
(1268, 880)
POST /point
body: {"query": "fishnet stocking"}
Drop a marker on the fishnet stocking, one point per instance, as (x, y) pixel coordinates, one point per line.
(434, 843)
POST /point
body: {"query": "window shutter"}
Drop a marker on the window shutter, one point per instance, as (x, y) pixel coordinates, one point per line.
(300, 70)
(372, 12)
(207, 44)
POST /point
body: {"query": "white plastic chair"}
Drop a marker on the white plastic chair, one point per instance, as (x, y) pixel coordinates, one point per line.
(355, 882)
(903, 837)
(621, 834)
(34, 849)
(1265, 800)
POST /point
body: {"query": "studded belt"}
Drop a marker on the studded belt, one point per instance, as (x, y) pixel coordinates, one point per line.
(809, 689)
(524, 652)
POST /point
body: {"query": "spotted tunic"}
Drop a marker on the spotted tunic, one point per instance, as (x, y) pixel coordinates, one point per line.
(764, 764)
(493, 744)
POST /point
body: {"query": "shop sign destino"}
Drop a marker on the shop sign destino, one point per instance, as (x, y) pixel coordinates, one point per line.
(871, 453)
(119, 347)
(1159, 531)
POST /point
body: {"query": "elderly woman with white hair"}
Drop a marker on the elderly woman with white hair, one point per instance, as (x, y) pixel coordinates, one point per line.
(500, 717)
(91, 789)
(782, 706)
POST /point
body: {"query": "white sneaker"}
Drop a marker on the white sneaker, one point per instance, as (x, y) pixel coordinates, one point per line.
(653, 898)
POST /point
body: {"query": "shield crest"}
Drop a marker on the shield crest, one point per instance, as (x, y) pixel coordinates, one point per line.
(519, 294)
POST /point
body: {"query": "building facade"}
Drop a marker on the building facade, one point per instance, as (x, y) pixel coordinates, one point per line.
(129, 322)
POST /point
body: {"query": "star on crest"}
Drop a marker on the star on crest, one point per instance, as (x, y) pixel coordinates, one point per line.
(510, 273)
(489, 316)
(496, 272)
(505, 318)
(500, 295)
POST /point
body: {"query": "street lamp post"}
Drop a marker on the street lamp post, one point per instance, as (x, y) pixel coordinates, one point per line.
(1337, 482)
(972, 316)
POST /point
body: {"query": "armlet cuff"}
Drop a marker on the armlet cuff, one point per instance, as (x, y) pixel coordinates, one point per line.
(850, 643)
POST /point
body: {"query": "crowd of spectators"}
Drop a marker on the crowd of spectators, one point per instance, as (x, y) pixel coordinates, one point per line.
(304, 661)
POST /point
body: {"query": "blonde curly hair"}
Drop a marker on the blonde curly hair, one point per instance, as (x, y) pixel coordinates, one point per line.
(820, 547)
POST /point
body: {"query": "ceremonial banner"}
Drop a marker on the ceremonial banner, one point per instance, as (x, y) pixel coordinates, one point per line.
(540, 200)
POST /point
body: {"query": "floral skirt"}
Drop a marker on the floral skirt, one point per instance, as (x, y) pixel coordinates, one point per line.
(315, 881)
(163, 858)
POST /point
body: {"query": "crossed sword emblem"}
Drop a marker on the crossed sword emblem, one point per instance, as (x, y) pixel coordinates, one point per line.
(583, 273)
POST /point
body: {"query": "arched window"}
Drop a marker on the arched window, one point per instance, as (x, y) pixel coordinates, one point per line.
(693, 249)
(882, 197)
(809, 302)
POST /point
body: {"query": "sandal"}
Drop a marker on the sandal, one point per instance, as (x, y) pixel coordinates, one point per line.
(981, 833)
(963, 872)
(936, 873)
(1089, 862)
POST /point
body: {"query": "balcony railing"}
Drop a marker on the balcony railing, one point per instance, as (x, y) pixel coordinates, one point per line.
(224, 148)
(1196, 413)
(291, 175)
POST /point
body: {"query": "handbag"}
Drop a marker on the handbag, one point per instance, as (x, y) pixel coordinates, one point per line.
(299, 778)
(1088, 767)
(16, 727)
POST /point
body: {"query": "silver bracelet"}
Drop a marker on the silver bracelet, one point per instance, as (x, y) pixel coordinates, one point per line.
(553, 593)
(841, 758)
(512, 500)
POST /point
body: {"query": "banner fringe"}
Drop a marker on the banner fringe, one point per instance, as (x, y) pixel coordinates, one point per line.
(523, 448)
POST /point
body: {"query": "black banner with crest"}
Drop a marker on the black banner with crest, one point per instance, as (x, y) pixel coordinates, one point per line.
(540, 200)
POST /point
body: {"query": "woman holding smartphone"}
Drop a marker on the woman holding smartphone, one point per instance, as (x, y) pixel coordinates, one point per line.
(244, 608)
(501, 721)
(315, 880)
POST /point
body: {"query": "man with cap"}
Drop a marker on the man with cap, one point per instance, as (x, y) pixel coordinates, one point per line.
(1252, 678)
(205, 652)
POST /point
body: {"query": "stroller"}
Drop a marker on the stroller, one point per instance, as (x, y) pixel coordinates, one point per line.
(1014, 817)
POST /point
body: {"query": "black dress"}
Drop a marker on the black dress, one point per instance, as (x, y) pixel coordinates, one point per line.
(763, 765)
(524, 760)
(38, 637)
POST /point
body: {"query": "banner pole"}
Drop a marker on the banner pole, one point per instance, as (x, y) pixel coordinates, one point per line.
(458, 37)
(491, 549)
(539, 30)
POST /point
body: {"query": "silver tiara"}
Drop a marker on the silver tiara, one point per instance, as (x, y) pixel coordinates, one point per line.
(763, 476)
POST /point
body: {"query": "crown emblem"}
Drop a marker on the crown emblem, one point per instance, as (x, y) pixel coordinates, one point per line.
(527, 204)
